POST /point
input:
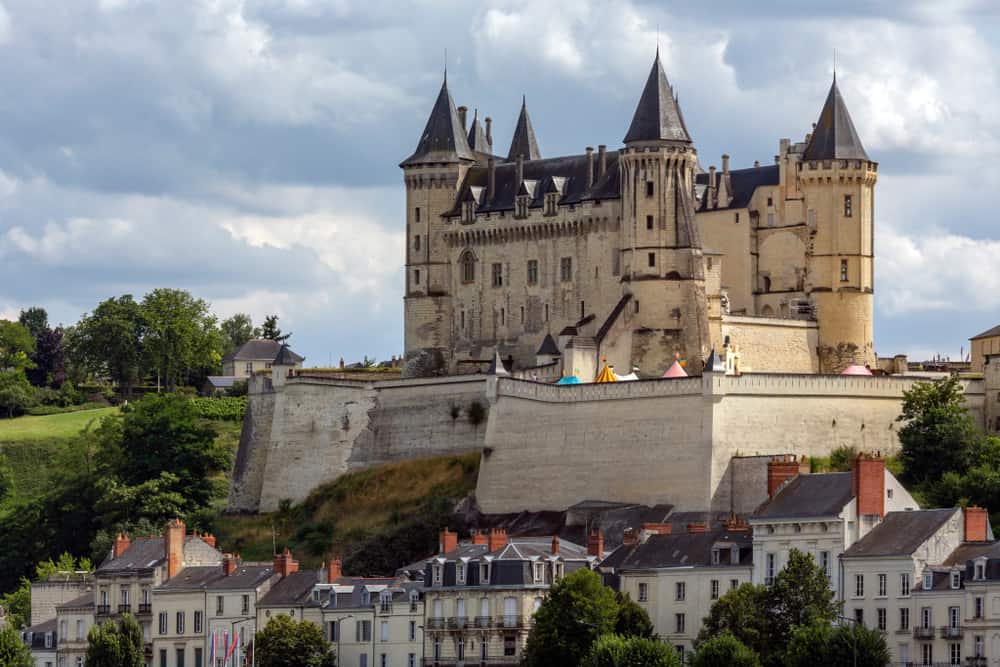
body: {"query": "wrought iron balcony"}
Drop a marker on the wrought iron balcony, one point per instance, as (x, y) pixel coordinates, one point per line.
(145, 608)
(435, 624)
(483, 621)
(951, 632)
(103, 609)
(124, 609)
(923, 633)
(509, 621)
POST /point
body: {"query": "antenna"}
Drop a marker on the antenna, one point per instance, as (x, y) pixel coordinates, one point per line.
(835, 64)
(657, 40)
(446, 64)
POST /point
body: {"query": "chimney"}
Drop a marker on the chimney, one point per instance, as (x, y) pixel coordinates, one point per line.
(284, 564)
(462, 111)
(491, 179)
(447, 541)
(602, 160)
(479, 537)
(976, 520)
(555, 545)
(711, 187)
(341, 363)
(228, 564)
(173, 546)
(334, 570)
(489, 132)
(734, 523)
(590, 167)
(630, 537)
(756, 163)
(595, 544)
(868, 476)
(496, 538)
(209, 539)
(520, 172)
(122, 543)
(657, 528)
(725, 164)
(780, 469)
(697, 527)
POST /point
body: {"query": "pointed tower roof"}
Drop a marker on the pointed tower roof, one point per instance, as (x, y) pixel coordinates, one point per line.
(444, 138)
(524, 142)
(658, 116)
(834, 137)
(477, 138)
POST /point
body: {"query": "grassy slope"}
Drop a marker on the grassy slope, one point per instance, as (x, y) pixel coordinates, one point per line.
(344, 513)
(29, 428)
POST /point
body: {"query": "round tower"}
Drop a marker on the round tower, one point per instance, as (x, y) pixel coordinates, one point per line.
(838, 181)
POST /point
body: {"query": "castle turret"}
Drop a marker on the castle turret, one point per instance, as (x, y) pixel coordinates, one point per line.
(661, 249)
(838, 182)
(432, 176)
(523, 143)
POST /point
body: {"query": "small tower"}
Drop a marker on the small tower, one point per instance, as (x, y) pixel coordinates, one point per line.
(838, 181)
(523, 144)
(661, 249)
(432, 176)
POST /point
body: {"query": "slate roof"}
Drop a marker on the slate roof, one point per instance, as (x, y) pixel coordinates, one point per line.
(37, 634)
(221, 381)
(286, 357)
(834, 137)
(293, 590)
(85, 600)
(901, 533)
(211, 577)
(443, 139)
(258, 349)
(687, 550)
(658, 116)
(743, 183)
(806, 496)
(477, 138)
(989, 333)
(145, 553)
(972, 550)
(548, 347)
(523, 141)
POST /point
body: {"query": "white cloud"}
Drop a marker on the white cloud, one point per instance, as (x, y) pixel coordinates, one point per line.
(4, 24)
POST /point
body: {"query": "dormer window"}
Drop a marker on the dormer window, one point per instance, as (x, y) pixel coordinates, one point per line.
(468, 211)
(539, 573)
(484, 573)
(366, 598)
(928, 580)
(557, 571)
(979, 571)
(460, 573)
(437, 574)
(956, 579)
(522, 206)
(551, 202)
(716, 557)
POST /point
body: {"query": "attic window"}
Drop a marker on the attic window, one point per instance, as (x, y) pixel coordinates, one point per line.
(928, 580)
(716, 557)
(980, 572)
(649, 188)
(522, 206)
(468, 211)
(551, 201)
(956, 579)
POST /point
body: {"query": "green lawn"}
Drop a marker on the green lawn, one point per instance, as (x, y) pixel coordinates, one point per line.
(28, 428)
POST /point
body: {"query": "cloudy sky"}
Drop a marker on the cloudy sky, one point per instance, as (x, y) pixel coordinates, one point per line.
(247, 150)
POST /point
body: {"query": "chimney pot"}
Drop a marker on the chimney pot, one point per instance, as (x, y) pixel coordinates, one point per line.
(976, 520)
(448, 541)
(228, 564)
(173, 546)
(780, 469)
(489, 132)
(595, 544)
(630, 537)
(479, 537)
(491, 179)
(590, 167)
(868, 478)
(122, 543)
(496, 539)
(555, 545)
(209, 539)
(756, 163)
(284, 564)
(725, 163)
(334, 570)
(462, 111)
(602, 160)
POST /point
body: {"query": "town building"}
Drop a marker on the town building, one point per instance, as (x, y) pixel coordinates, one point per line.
(982, 346)
(258, 355)
(43, 641)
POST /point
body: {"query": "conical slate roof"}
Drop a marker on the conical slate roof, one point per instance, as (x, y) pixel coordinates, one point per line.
(477, 138)
(444, 138)
(658, 116)
(548, 347)
(524, 142)
(835, 137)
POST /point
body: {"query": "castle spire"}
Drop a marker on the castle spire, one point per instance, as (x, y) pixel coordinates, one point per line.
(658, 116)
(524, 142)
(834, 137)
(444, 138)
(477, 138)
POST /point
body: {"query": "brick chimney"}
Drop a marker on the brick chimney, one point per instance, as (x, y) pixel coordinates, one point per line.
(630, 537)
(447, 541)
(657, 528)
(595, 544)
(228, 564)
(782, 468)
(496, 539)
(555, 545)
(284, 564)
(479, 537)
(209, 539)
(976, 520)
(334, 570)
(173, 546)
(697, 527)
(122, 543)
(868, 476)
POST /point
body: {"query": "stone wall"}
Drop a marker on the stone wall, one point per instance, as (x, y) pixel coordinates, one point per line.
(773, 345)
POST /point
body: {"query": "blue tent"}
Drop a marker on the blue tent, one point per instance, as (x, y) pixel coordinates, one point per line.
(569, 379)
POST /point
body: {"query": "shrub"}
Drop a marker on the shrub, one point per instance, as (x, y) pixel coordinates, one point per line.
(221, 408)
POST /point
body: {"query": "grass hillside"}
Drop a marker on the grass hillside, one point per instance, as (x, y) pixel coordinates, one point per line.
(30, 428)
(377, 519)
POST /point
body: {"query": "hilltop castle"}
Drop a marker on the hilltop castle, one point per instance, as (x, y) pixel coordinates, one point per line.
(637, 255)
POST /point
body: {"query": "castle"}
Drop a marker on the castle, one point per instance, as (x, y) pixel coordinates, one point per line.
(636, 255)
(633, 256)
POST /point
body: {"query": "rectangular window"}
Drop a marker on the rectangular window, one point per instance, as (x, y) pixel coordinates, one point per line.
(532, 271)
(880, 616)
(651, 259)
(925, 617)
(249, 368)
(927, 654)
(979, 646)
(363, 660)
(497, 275)
(461, 325)
(180, 657)
(566, 269)
(636, 305)
(546, 312)
(197, 623)
(978, 607)
(904, 585)
(384, 660)
(522, 314)
(416, 214)
(412, 660)
(503, 317)
(220, 605)
(649, 222)
(649, 188)
(769, 570)
(616, 261)
(333, 628)
(737, 217)
(859, 585)
(680, 590)
(416, 276)
(770, 219)
(956, 579)
(245, 606)
(416, 242)
(848, 206)
(80, 635)
(163, 622)
(384, 631)
(179, 622)
(679, 623)
(734, 584)
(198, 658)
(824, 562)
(954, 617)
(413, 631)
(715, 589)
(362, 631)
(643, 592)
(163, 658)
(904, 618)
(955, 652)
(859, 616)
(881, 586)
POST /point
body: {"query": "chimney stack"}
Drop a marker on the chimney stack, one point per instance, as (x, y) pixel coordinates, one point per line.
(228, 564)
(334, 570)
(447, 541)
(590, 167)
(462, 111)
(496, 539)
(491, 179)
(976, 524)
(173, 546)
(489, 132)
(122, 543)
(782, 468)
(479, 537)
(868, 477)
(520, 171)
(209, 539)
(711, 187)
(595, 544)
(284, 564)
(756, 163)
(630, 537)
(602, 160)
(697, 527)
(555, 545)
(725, 164)
(657, 528)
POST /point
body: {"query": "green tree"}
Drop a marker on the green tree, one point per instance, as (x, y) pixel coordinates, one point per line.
(181, 337)
(271, 331)
(18, 601)
(618, 651)
(633, 621)
(16, 344)
(741, 612)
(724, 650)
(577, 610)
(36, 319)
(809, 645)
(939, 434)
(6, 478)
(235, 331)
(16, 393)
(108, 342)
(104, 647)
(854, 645)
(842, 458)
(800, 595)
(287, 643)
(131, 642)
(13, 651)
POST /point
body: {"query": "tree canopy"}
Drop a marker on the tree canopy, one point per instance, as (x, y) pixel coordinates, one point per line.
(619, 651)
(939, 434)
(108, 342)
(235, 331)
(271, 331)
(287, 643)
(16, 346)
(724, 650)
(13, 651)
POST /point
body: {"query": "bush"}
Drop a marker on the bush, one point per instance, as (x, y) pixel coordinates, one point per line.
(45, 410)
(724, 649)
(617, 651)
(221, 408)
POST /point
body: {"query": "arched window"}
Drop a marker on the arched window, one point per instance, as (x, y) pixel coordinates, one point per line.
(468, 263)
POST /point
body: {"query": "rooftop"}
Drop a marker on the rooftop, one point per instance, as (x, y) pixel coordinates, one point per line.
(900, 533)
(809, 496)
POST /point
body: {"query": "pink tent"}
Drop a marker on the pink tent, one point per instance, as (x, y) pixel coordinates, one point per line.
(676, 370)
(855, 369)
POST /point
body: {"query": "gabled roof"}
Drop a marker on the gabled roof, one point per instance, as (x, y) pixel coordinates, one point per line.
(477, 138)
(143, 554)
(524, 142)
(834, 137)
(444, 137)
(211, 577)
(689, 550)
(901, 533)
(292, 590)
(658, 116)
(85, 600)
(989, 333)
(807, 496)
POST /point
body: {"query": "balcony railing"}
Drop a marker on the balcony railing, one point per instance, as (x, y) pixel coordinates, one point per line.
(103, 609)
(124, 609)
(923, 633)
(145, 608)
(509, 621)
(498, 661)
(483, 621)
(435, 623)
(951, 632)
(458, 622)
